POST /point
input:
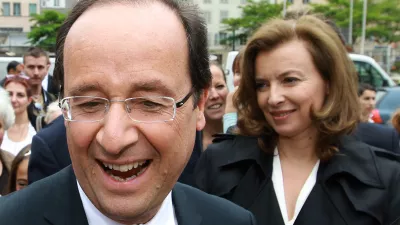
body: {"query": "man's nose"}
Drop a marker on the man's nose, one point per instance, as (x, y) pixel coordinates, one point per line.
(118, 131)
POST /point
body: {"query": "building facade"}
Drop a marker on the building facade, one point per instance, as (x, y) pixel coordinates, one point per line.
(63, 6)
(15, 23)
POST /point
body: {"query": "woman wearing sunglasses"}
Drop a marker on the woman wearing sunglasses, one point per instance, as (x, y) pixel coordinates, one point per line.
(21, 132)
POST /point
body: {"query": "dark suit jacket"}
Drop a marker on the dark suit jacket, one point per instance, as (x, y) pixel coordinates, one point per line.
(50, 154)
(52, 86)
(55, 200)
(358, 186)
(49, 151)
(379, 135)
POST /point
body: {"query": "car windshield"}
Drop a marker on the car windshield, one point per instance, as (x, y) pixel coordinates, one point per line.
(391, 100)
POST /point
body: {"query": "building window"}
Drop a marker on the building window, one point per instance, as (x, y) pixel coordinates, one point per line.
(17, 9)
(207, 16)
(223, 1)
(243, 1)
(207, 1)
(32, 8)
(56, 3)
(223, 15)
(289, 1)
(306, 1)
(223, 38)
(6, 9)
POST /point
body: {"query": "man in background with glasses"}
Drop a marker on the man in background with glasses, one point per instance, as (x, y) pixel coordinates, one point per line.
(131, 116)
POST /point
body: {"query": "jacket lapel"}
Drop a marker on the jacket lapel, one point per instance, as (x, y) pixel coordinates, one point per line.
(66, 207)
(185, 210)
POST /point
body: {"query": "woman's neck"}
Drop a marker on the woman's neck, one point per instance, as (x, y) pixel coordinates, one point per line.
(213, 127)
(301, 148)
(21, 118)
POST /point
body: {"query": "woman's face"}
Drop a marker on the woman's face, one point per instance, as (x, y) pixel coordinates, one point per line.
(215, 105)
(18, 96)
(1, 130)
(288, 85)
(236, 79)
(367, 100)
(22, 175)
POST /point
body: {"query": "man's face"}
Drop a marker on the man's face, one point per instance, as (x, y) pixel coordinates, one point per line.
(36, 69)
(145, 55)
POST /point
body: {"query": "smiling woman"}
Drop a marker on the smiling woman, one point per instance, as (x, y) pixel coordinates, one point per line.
(21, 132)
(292, 160)
(215, 105)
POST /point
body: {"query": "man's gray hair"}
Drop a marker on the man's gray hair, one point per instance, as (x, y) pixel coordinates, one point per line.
(7, 114)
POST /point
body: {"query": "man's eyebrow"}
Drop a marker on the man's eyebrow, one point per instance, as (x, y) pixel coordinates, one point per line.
(84, 88)
(155, 85)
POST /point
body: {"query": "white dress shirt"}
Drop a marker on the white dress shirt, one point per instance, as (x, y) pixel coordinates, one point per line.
(45, 82)
(164, 216)
(277, 180)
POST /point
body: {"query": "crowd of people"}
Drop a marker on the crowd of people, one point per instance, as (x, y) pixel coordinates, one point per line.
(145, 130)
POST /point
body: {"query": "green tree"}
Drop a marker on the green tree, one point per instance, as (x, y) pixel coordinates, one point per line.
(383, 20)
(44, 31)
(254, 14)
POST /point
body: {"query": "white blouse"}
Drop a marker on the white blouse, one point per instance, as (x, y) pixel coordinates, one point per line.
(15, 147)
(277, 180)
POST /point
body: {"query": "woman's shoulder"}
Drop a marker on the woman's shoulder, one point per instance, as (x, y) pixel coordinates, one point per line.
(224, 144)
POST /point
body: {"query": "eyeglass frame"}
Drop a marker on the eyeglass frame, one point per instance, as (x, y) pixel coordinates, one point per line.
(176, 106)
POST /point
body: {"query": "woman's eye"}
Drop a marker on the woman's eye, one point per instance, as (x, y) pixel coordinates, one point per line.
(261, 85)
(290, 80)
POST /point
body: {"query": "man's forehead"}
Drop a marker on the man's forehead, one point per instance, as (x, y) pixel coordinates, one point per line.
(35, 60)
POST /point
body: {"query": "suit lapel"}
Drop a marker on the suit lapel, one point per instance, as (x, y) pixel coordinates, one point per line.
(65, 206)
(185, 211)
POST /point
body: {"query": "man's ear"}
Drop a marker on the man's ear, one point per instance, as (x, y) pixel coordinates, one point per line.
(201, 120)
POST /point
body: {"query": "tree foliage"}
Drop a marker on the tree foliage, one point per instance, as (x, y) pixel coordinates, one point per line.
(383, 17)
(44, 31)
(254, 14)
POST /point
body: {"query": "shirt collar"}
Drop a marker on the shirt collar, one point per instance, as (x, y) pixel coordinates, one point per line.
(45, 82)
(165, 215)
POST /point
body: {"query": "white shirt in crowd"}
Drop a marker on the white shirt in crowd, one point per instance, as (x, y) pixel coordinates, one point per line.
(277, 179)
(164, 216)
(15, 147)
(45, 82)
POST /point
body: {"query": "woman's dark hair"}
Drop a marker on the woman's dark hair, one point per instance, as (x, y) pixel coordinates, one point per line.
(23, 154)
(193, 23)
(5, 171)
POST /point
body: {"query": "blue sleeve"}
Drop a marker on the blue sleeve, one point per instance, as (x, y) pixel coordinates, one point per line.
(229, 120)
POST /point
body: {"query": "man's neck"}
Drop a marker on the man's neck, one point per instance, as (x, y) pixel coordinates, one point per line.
(36, 89)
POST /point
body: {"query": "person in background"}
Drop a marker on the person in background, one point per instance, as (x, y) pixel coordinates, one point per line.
(21, 132)
(215, 105)
(367, 95)
(19, 170)
(36, 67)
(53, 111)
(7, 118)
(230, 116)
(13, 68)
(292, 159)
(396, 120)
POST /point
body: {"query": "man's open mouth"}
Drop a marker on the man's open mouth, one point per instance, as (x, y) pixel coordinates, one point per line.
(125, 172)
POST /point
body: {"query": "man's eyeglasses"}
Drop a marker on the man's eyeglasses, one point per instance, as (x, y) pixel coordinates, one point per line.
(11, 76)
(149, 109)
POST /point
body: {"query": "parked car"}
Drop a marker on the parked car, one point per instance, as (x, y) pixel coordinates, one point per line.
(388, 101)
(367, 68)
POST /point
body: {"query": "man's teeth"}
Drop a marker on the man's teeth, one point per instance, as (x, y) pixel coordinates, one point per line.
(125, 167)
